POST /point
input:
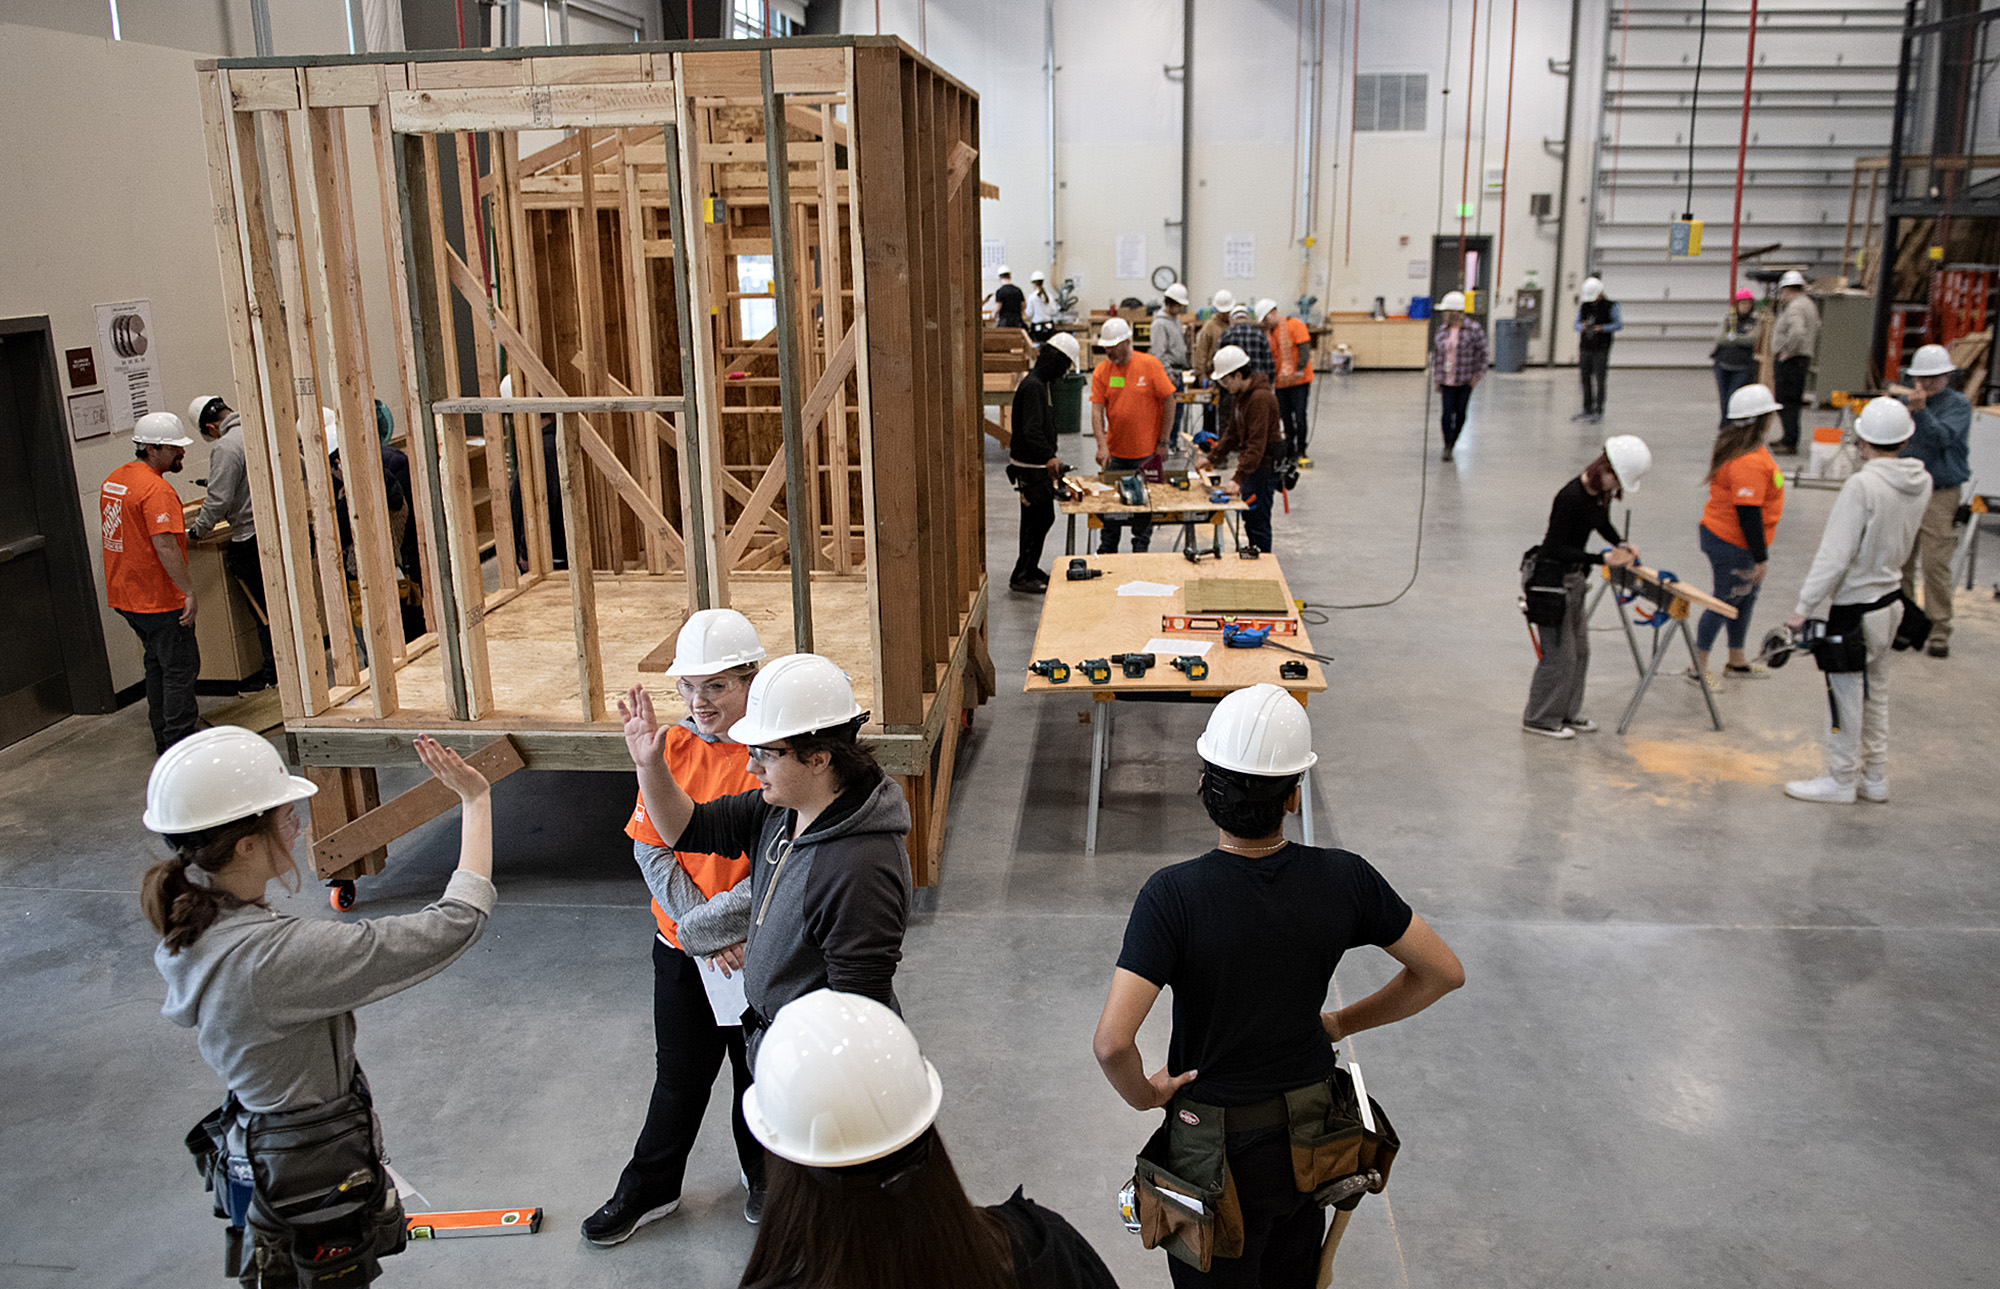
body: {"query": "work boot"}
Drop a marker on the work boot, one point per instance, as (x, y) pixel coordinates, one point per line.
(1938, 648)
(1825, 788)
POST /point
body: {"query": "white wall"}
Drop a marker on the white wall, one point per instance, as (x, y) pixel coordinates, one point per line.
(108, 200)
(1118, 137)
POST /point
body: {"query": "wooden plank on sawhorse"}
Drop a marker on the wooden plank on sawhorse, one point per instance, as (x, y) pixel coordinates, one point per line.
(373, 831)
(1675, 598)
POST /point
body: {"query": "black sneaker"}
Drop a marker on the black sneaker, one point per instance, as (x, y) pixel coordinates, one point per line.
(753, 1206)
(623, 1214)
(1029, 585)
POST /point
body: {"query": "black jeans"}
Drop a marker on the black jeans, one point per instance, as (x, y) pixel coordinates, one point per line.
(1038, 515)
(1790, 378)
(1142, 525)
(1454, 399)
(173, 661)
(1592, 366)
(1293, 401)
(688, 1051)
(243, 563)
(1282, 1227)
(1259, 490)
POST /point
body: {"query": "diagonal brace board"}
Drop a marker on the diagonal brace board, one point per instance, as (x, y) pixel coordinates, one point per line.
(415, 808)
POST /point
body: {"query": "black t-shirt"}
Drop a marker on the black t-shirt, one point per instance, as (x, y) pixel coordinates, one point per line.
(1008, 302)
(1248, 945)
(1573, 516)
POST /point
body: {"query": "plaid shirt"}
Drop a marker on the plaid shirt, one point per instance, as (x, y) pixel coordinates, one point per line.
(1461, 363)
(1250, 337)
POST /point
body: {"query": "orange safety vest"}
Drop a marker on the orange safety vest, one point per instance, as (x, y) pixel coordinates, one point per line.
(705, 771)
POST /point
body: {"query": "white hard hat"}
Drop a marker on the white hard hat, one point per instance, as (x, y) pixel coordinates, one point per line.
(1593, 289)
(1037, 276)
(330, 427)
(800, 693)
(1239, 311)
(507, 385)
(1885, 421)
(1630, 459)
(1223, 301)
(1932, 360)
(1065, 344)
(215, 777)
(1116, 331)
(1792, 278)
(1263, 308)
(840, 1081)
(1259, 730)
(1453, 302)
(714, 640)
(161, 430)
(1005, 271)
(198, 406)
(1229, 358)
(1177, 293)
(1751, 401)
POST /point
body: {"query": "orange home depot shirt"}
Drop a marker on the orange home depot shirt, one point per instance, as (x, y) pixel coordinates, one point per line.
(1286, 338)
(705, 771)
(134, 504)
(1752, 479)
(1132, 396)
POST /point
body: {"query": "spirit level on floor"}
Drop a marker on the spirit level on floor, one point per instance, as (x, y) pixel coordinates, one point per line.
(485, 1221)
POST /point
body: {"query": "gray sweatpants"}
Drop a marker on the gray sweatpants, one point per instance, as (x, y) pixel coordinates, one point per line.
(1555, 695)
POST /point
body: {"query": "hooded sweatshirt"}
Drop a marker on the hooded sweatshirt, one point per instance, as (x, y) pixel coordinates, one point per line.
(271, 998)
(827, 910)
(1034, 430)
(228, 487)
(1868, 536)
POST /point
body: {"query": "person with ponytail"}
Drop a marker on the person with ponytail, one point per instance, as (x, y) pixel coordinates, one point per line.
(271, 997)
(1746, 494)
(863, 1193)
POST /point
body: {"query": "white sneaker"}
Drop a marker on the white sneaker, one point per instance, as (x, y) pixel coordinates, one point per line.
(1694, 678)
(1582, 725)
(1825, 788)
(1560, 731)
(1874, 789)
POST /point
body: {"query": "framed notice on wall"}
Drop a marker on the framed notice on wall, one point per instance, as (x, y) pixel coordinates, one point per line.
(131, 362)
(89, 418)
(1239, 256)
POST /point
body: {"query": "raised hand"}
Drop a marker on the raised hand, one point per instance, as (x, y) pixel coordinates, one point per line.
(450, 769)
(645, 738)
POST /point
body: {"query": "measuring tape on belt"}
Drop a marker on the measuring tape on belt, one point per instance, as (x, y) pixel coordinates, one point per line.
(1659, 617)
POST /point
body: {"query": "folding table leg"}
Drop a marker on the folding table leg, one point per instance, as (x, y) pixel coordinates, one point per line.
(1306, 808)
(1100, 747)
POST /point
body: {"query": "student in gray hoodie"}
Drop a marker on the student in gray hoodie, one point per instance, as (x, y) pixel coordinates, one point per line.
(829, 877)
(271, 997)
(1855, 585)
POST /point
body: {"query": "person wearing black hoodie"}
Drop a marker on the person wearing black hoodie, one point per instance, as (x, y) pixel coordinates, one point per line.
(829, 877)
(1034, 460)
(864, 1195)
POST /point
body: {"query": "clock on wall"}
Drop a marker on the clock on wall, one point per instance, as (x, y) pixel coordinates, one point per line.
(1165, 276)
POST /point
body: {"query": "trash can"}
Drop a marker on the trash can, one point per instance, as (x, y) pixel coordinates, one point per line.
(1510, 343)
(1069, 394)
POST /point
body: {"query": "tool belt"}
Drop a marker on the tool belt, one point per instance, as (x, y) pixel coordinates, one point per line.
(322, 1208)
(1844, 648)
(1544, 598)
(1186, 1197)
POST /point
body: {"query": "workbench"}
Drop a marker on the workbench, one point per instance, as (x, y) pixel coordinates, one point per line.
(1089, 619)
(1164, 502)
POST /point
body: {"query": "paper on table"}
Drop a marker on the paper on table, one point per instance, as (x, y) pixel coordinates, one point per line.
(1148, 588)
(1161, 644)
(725, 993)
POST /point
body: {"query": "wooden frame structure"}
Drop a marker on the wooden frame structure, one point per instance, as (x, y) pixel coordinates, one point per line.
(583, 224)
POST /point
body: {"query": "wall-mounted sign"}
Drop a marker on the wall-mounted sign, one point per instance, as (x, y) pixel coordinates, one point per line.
(89, 418)
(82, 365)
(1239, 256)
(132, 361)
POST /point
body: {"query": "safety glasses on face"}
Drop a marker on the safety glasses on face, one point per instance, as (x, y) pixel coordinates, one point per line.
(713, 689)
(766, 755)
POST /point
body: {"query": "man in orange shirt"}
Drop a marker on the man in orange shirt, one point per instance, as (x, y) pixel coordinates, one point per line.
(1131, 410)
(1291, 349)
(701, 906)
(146, 571)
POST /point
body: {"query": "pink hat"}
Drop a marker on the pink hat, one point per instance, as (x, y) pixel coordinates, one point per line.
(1743, 293)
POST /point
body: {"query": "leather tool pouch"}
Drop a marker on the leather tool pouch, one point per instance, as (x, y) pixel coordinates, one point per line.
(1186, 1198)
(1334, 1158)
(1543, 598)
(322, 1187)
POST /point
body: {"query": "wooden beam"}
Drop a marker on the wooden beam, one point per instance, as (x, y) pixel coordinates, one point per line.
(840, 504)
(486, 364)
(582, 585)
(396, 818)
(700, 454)
(541, 107)
(783, 284)
(521, 406)
(838, 368)
(960, 165)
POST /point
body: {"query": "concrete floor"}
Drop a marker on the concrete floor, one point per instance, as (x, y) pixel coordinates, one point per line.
(1710, 1035)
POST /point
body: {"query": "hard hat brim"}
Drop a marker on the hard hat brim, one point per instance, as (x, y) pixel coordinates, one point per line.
(296, 789)
(750, 734)
(761, 1128)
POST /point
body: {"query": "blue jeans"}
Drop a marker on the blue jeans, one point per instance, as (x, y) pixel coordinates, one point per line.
(1728, 381)
(1733, 567)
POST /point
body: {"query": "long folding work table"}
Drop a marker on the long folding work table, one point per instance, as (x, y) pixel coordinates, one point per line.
(1166, 503)
(1091, 620)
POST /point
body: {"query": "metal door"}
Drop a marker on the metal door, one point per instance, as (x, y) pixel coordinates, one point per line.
(1471, 272)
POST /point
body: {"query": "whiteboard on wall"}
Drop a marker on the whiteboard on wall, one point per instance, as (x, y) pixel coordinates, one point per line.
(1239, 256)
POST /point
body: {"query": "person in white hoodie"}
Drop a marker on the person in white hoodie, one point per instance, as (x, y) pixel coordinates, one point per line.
(271, 997)
(1855, 584)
